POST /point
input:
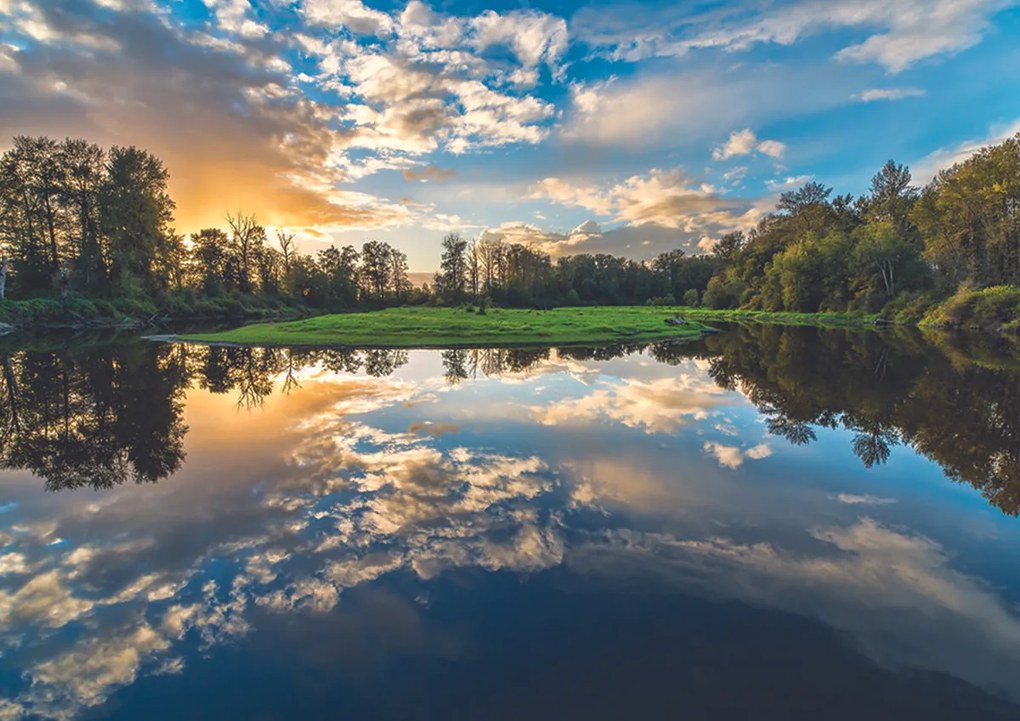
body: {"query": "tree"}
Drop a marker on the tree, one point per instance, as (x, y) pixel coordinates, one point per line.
(729, 245)
(376, 271)
(80, 191)
(969, 217)
(885, 262)
(248, 239)
(209, 265)
(892, 196)
(452, 277)
(399, 282)
(136, 212)
(287, 248)
(811, 193)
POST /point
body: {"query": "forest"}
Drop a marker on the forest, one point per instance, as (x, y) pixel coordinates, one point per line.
(88, 232)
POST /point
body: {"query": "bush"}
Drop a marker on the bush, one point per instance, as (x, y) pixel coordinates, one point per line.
(907, 308)
(691, 298)
(994, 308)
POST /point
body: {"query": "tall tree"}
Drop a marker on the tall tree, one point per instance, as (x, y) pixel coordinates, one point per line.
(248, 239)
(85, 173)
(136, 215)
(452, 277)
(375, 269)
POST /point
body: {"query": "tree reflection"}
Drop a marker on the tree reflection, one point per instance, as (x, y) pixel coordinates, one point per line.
(963, 412)
(94, 418)
(102, 415)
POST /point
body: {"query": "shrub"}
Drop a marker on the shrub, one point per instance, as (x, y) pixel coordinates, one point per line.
(996, 308)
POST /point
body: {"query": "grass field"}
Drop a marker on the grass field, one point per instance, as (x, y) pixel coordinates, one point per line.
(779, 317)
(419, 327)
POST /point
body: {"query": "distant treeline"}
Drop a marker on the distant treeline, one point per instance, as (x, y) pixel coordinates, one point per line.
(77, 219)
(898, 249)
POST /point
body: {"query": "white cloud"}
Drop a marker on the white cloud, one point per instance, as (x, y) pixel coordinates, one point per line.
(535, 37)
(863, 500)
(733, 457)
(745, 142)
(889, 94)
(668, 198)
(658, 406)
(787, 183)
(353, 14)
(901, 32)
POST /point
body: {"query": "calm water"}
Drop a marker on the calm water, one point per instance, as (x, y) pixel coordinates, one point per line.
(771, 523)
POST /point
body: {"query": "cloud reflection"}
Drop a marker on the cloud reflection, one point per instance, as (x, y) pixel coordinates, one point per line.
(350, 478)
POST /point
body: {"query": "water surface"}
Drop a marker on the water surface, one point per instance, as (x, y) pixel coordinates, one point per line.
(770, 523)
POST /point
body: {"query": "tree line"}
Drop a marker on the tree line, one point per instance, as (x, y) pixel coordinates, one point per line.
(898, 248)
(79, 219)
(75, 218)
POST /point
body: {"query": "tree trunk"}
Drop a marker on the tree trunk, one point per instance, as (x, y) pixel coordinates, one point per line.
(3, 278)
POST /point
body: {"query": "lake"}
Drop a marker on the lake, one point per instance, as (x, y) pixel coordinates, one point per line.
(777, 523)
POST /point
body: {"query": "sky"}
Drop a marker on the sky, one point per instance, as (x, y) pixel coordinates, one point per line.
(630, 127)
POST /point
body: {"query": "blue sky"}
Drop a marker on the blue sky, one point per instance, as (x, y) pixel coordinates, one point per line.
(627, 127)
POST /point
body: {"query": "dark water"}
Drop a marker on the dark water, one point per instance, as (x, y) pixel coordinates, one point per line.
(772, 523)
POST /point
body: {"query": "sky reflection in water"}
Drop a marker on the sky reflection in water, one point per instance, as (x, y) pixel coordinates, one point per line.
(497, 533)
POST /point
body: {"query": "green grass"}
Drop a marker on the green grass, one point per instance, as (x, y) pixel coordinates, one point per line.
(779, 317)
(447, 327)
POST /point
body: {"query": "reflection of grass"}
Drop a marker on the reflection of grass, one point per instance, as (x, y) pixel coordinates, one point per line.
(417, 327)
(984, 350)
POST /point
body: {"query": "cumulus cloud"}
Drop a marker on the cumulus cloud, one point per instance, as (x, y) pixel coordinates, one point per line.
(668, 198)
(220, 113)
(235, 123)
(352, 14)
(657, 211)
(745, 142)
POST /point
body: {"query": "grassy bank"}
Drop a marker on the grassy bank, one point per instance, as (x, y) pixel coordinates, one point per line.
(779, 317)
(420, 327)
(995, 309)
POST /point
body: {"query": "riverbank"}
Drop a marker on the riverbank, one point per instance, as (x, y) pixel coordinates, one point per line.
(420, 327)
(80, 313)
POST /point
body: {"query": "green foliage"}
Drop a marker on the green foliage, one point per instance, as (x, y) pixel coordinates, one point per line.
(994, 308)
(969, 218)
